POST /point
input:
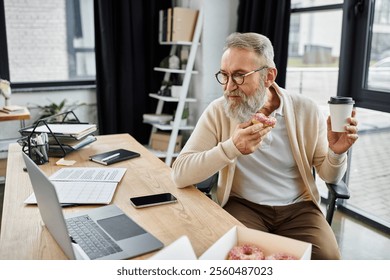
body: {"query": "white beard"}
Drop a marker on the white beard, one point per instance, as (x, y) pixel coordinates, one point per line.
(243, 110)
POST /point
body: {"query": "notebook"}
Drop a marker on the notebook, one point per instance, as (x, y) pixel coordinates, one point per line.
(122, 237)
(113, 156)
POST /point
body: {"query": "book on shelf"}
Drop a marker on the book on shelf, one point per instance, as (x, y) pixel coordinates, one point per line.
(160, 25)
(162, 28)
(169, 25)
(177, 24)
(183, 24)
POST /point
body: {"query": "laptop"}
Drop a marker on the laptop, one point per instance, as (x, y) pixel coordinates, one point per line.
(118, 235)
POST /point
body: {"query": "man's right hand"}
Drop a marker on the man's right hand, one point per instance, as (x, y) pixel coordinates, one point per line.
(247, 137)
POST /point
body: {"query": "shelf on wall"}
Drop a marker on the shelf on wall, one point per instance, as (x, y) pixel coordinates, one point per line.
(160, 154)
(167, 127)
(169, 98)
(177, 71)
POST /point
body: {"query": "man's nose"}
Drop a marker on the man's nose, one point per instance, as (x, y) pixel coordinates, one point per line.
(230, 86)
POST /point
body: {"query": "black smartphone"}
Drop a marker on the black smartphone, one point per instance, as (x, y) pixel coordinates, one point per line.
(152, 200)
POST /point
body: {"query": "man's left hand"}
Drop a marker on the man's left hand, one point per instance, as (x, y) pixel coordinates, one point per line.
(340, 142)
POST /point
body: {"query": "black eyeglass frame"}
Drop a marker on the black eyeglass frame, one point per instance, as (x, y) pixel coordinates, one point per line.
(241, 76)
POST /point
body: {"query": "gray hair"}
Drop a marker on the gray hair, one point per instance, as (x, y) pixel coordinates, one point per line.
(255, 42)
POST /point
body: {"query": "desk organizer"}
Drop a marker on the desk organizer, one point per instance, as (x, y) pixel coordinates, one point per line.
(60, 144)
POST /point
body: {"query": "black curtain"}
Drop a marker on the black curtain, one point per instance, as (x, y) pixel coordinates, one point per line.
(126, 47)
(4, 70)
(272, 19)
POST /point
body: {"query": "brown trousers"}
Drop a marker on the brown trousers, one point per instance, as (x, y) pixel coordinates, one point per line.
(302, 221)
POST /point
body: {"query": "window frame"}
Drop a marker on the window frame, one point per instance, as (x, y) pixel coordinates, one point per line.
(352, 69)
(35, 86)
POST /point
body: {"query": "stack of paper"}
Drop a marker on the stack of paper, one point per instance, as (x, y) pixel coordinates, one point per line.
(69, 144)
(12, 109)
(76, 131)
(157, 118)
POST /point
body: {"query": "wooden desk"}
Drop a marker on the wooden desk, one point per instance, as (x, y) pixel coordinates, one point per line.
(23, 235)
(15, 116)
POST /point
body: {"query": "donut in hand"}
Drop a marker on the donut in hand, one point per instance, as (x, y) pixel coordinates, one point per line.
(261, 118)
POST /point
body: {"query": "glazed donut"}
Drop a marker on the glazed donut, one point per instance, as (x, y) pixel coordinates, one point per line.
(280, 256)
(261, 118)
(246, 252)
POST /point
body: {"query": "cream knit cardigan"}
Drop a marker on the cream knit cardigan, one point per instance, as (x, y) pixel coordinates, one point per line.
(210, 148)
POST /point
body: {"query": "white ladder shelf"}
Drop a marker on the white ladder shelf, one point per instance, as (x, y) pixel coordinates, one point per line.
(183, 99)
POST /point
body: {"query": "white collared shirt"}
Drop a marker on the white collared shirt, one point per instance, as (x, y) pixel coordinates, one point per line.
(270, 175)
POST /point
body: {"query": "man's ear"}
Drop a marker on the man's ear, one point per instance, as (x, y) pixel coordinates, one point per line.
(271, 76)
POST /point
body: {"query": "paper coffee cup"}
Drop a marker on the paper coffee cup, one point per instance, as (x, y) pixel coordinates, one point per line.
(340, 110)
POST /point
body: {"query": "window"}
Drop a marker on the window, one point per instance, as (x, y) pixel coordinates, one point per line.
(314, 50)
(366, 67)
(378, 75)
(343, 48)
(49, 42)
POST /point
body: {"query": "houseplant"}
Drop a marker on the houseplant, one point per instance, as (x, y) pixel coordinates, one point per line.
(53, 108)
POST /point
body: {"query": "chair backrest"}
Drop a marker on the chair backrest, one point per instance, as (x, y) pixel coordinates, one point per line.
(207, 185)
(336, 191)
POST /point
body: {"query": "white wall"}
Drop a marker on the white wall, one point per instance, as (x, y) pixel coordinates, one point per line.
(220, 19)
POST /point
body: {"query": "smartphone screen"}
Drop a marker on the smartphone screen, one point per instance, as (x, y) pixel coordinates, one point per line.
(151, 200)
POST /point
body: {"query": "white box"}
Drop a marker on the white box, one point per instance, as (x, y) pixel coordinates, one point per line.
(269, 243)
(181, 249)
(160, 141)
(175, 91)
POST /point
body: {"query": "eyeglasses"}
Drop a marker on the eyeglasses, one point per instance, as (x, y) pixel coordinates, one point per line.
(238, 79)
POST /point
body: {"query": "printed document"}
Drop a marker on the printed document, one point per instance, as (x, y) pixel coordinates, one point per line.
(84, 185)
(91, 174)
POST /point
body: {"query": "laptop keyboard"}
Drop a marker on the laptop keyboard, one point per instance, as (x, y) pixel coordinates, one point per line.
(91, 238)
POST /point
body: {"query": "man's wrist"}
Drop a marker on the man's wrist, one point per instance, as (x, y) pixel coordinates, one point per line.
(334, 158)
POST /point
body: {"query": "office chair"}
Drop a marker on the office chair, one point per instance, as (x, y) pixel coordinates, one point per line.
(207, 185)
(335, 191)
